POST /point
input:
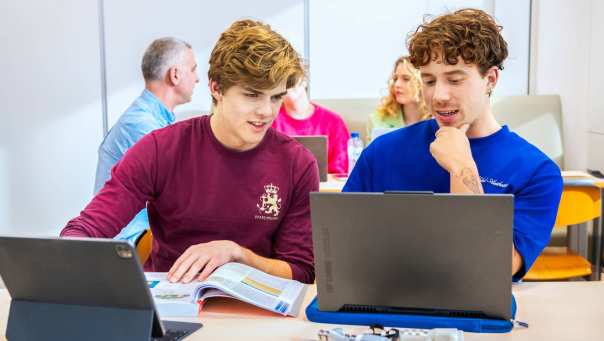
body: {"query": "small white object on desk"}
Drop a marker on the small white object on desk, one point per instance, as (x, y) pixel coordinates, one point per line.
(404, 334)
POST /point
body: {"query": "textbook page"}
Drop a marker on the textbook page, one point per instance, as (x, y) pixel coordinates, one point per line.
(239, 281)
(172, 299)
(248, 284)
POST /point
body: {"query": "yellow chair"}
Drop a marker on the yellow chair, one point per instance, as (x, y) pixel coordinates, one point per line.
(578, 205)
(144, 243)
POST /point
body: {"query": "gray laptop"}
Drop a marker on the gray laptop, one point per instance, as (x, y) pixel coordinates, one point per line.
(69, 287)
(317, 145)
(420, 253)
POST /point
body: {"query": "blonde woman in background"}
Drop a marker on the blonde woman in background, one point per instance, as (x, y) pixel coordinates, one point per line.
(404, 105)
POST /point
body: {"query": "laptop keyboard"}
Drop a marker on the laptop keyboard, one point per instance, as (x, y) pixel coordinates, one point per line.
(171, 335)
(175, 330)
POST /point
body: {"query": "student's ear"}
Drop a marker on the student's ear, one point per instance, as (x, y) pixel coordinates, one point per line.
(215, 90)
(492, 76)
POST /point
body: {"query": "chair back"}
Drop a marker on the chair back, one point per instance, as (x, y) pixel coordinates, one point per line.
(354, 111)
(144, 244)
(537, 118)
(578, 205)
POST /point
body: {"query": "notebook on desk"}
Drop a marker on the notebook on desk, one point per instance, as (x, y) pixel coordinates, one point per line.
(421, 254)
(317, 145)
(88, 289)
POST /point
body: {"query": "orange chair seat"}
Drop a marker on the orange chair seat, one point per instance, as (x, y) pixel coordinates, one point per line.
(144, 245)
(578, 205)
(558, 263)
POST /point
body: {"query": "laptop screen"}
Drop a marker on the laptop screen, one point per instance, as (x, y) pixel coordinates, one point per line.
(317, 145)
(438, 252)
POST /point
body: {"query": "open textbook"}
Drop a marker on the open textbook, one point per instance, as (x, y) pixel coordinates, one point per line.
(233, 280)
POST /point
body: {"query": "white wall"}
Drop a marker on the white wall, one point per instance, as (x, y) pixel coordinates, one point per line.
(130, 26)
(562, 66)
(595, 106)
(354, 44)
(514, 16)
(51, 112)
(4, 188)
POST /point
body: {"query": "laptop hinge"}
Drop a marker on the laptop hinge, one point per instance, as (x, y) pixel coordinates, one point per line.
(410, 192)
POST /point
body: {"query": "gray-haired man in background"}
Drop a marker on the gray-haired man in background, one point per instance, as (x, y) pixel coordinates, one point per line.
(170, 74)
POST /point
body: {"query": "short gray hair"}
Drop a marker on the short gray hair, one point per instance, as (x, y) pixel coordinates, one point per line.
(162, 54)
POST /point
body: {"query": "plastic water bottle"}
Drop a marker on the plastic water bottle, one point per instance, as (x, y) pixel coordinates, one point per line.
(355, 148)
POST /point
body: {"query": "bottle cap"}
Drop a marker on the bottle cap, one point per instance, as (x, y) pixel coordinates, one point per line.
(355, 134)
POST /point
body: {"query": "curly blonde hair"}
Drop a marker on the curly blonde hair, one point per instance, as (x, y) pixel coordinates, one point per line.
(468, 33)
(250, 53)
(389, 107)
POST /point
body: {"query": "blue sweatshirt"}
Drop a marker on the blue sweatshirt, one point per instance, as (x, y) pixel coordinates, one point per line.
(507, 163)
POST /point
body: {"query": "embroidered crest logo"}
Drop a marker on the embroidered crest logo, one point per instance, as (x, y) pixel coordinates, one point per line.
(270, 203)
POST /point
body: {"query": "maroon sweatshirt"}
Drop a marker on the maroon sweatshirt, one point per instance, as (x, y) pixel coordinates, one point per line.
(198, 191)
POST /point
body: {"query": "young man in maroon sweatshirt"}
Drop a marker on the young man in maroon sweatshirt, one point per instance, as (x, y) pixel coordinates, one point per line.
(225, 187)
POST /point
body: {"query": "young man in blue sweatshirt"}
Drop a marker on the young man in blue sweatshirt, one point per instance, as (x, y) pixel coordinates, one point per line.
(464, 149)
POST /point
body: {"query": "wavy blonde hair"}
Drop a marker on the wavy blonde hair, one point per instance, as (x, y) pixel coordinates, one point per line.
(389, 107)
(250, 53)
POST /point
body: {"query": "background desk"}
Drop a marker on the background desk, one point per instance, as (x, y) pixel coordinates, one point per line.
(577, 180)
(554, 310)
(332, 184)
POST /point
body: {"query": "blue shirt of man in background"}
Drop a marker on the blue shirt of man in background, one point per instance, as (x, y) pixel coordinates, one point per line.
(146, 114)
(170, 74)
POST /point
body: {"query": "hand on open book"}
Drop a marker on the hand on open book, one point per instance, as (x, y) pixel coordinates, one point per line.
(204, 258)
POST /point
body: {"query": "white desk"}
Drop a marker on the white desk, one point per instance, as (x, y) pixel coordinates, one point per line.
(554, 310)
(333, 184)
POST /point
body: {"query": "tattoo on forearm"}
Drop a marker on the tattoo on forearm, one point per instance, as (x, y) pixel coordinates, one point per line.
(470, 180)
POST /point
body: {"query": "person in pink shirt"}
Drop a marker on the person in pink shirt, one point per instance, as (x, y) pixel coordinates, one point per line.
(224, 187)
(299, 116)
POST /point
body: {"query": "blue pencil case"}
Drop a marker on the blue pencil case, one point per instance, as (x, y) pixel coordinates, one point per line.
(474, 325)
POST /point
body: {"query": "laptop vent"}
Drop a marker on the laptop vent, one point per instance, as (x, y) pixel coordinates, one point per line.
(353, 308)
(466, 314)
(358, 309)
